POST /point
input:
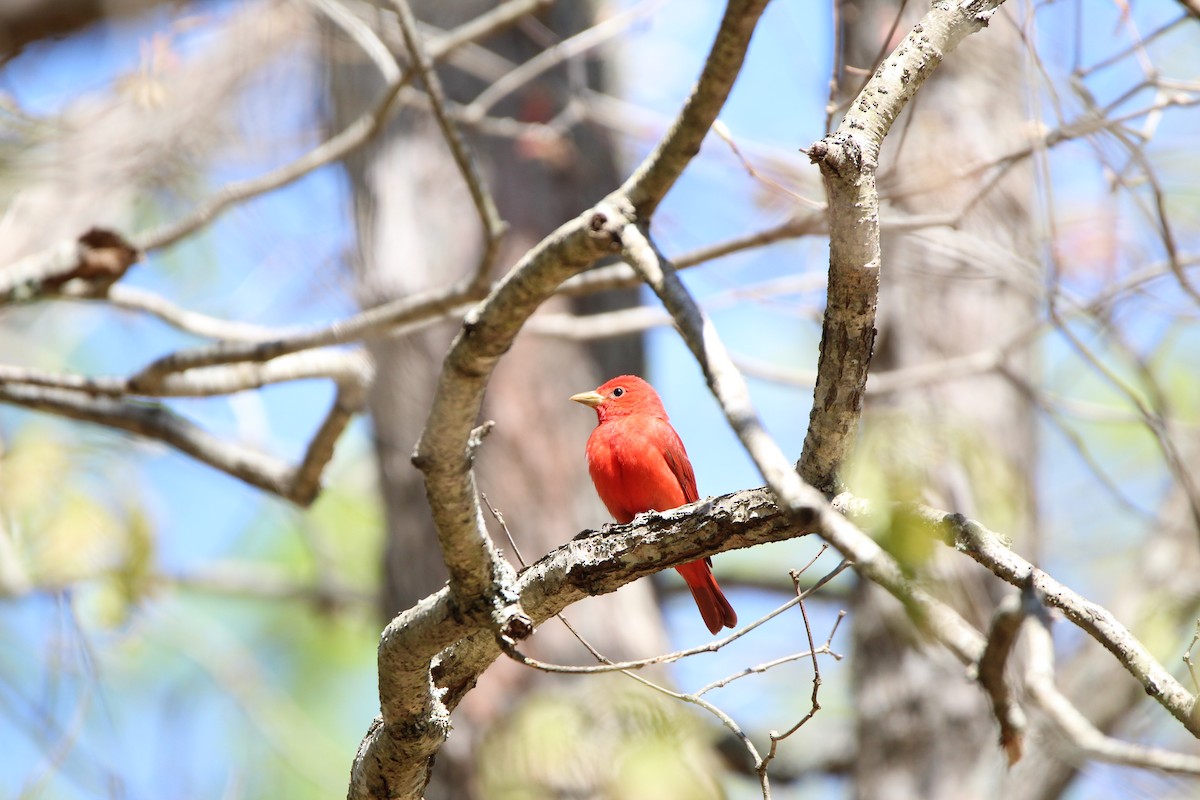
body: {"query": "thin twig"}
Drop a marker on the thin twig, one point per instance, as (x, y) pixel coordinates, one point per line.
(695, 699)
(354, 135)
(345, 141)
(667, 658)
(815, 706)
(552, 56)
(724, 134)
(1187, 658)
(493, 226)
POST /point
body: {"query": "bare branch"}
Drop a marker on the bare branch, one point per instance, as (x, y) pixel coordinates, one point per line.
(848, 159)
(1080, 736)
(350, 400)
(154, 421)
(649, 183)
(333, 149)
(133, 298)
(551, 57)
(391, 317)
(105, 401)
(1006, 624)
(793, 494)
(485, 206)
(824, 649)
(339, 365)
(711, 647)
(815, 703)
(1098, 622)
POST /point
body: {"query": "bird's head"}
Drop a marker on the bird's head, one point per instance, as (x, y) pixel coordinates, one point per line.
(621, 397)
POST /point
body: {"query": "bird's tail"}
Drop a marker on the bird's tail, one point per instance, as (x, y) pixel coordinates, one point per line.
(709, 598)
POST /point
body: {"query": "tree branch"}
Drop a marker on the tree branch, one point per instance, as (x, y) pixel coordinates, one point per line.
(649, 183)
(105, 401)
(1098, 622)
(1080, 736)
(155, 421)
(848, 158)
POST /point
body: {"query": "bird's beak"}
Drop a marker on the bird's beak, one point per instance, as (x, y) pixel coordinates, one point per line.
(592, 399)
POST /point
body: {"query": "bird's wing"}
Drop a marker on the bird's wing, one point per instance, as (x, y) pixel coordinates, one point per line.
(681, 467)
(677, 459)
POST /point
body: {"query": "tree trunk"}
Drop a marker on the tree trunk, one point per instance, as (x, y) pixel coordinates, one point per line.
(924, 728)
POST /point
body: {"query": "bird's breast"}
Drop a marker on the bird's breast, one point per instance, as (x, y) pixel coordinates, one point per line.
(630, 472)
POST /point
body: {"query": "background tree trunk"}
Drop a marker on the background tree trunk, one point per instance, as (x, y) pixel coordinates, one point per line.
(417, 229)
(924, 728)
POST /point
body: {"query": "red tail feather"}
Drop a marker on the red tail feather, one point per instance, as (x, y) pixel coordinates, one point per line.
(709, 598)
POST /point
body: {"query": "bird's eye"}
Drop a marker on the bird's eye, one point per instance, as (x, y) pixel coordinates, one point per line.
(617, 392)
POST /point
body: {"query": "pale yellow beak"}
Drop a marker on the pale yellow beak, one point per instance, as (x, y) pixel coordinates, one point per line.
(592, 399)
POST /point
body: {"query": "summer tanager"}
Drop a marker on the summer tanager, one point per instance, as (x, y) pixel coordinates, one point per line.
(638, 463)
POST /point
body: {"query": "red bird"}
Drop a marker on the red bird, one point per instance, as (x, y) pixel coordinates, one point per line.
(638, 464)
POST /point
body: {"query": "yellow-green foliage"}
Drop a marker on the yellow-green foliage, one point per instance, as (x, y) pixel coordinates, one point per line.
(900, 460)
(601, 737)
(60, 533)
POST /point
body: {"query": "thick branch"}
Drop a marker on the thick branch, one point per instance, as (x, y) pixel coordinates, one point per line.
(848, 158)
(395, 757)
(487, 333)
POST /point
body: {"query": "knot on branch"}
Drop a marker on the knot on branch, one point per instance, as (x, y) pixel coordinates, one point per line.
(839, 154)
(104, 257)
(605, 221)
(474, 441)
(516, 627)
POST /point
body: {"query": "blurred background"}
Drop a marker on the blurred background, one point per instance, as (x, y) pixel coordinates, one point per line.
(169, 631)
